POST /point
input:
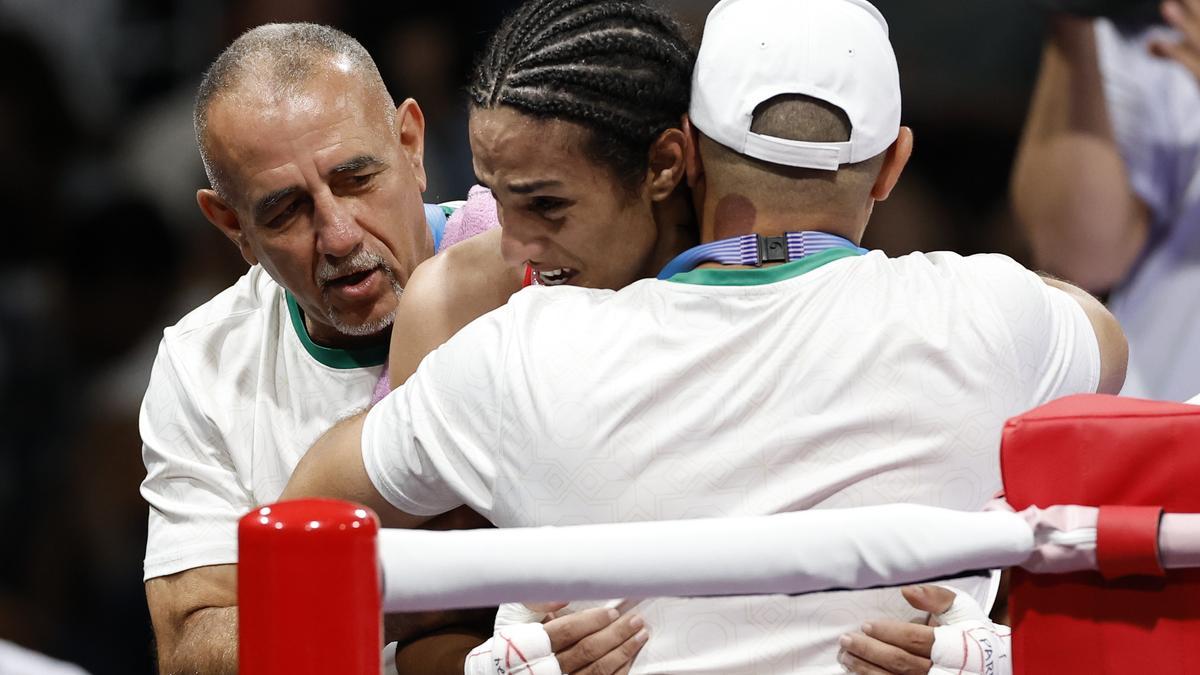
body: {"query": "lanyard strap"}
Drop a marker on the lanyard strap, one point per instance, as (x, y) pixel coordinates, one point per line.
(756, 250)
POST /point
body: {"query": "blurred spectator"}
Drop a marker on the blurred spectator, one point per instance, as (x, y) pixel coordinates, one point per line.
(1108, 184)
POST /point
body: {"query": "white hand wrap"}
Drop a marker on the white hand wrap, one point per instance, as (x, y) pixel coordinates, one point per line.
(389, 658)
(523, 649)
(513, 613)
(968, 642)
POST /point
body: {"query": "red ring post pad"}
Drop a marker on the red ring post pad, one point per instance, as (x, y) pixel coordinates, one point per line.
(309, 590)
(1127, 541)
(1097, 450)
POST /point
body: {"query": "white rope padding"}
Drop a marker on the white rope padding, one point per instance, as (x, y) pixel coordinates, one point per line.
(800, 552)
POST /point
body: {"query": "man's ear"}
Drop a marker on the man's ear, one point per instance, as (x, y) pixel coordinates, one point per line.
(693, 163)
(226, 219)
(893, 165)
(668, 155)
(410, 129)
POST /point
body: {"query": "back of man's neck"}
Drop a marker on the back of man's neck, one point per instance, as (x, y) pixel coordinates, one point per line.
(778, 227)
(735, 215)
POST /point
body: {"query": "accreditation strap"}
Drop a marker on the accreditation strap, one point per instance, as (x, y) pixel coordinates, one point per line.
(755, 250)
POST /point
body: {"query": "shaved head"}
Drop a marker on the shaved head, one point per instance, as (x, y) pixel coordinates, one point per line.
(273, 62)
(791, 189)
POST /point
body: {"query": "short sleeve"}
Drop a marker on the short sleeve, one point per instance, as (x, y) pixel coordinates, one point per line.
(1054, 347)
(191, 485)
(430, 445)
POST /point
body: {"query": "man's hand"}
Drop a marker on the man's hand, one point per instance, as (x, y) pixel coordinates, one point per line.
(597, 641)
(964, 642)
(894, 646)
(1183, 16)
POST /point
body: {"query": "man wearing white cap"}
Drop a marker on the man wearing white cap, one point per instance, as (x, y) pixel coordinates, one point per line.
(777, 367)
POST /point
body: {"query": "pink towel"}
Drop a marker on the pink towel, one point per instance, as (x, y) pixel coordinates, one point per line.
(476, 216)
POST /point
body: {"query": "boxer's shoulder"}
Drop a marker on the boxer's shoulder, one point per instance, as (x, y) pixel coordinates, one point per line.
(444, 294)
(464, 281)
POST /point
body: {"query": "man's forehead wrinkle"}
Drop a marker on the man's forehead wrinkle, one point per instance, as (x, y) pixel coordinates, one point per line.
(260, 133)
(506, 141)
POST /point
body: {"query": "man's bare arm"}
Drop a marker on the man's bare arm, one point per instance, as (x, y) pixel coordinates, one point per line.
(195, 620)
(334, 468)
(1114, 348)
(445, 293)
(1070, 186)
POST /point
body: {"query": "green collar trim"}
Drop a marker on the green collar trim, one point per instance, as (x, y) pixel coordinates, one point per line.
(762, 276)
(342, 359)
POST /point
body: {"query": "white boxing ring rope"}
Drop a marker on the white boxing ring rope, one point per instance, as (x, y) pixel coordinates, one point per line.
(789, 553)
(315, 576)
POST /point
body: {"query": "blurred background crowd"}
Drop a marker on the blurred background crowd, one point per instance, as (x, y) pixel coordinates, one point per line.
(98, 171)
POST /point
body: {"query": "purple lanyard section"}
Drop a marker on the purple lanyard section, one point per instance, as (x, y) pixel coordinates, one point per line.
(756, 250)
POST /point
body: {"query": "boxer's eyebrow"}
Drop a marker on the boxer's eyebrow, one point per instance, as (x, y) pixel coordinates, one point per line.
(266, 204)
(357, 164)
(532, 186)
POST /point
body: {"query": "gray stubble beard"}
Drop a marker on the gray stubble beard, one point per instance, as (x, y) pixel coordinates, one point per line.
(370, 327)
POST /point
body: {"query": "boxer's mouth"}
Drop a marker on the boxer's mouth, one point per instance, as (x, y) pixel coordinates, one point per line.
(555, 276)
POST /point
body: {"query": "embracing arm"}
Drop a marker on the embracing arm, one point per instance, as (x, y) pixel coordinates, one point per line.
(595, 643)
(1114, 348)
(1070, 186)
(334, 468)
(194, 614)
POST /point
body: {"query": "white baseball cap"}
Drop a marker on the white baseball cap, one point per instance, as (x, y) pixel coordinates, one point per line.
(836, 51)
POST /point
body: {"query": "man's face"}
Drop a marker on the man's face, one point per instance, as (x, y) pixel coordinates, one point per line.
(564, 215)
(327, 196)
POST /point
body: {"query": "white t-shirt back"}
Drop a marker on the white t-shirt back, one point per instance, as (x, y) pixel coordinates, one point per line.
(840, 383)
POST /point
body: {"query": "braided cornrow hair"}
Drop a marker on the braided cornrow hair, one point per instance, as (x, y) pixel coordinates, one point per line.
(621, 68)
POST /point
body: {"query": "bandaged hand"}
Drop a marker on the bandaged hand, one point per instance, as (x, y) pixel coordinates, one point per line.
(965, 641)
(597, 641)
(520, 648)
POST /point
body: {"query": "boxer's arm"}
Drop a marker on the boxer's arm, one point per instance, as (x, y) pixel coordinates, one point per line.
(445, 293)
(1070, 186)
(443, 652)
(194, 614)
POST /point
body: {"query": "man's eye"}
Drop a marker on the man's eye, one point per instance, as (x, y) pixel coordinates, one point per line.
(280, 219)
(360, 180)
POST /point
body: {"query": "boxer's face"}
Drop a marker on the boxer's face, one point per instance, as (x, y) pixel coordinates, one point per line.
(326, 195)
(563, 214)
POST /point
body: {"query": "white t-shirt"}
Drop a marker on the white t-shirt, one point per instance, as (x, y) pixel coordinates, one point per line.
(1153, 106)
(826, 383)
(237, 394)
